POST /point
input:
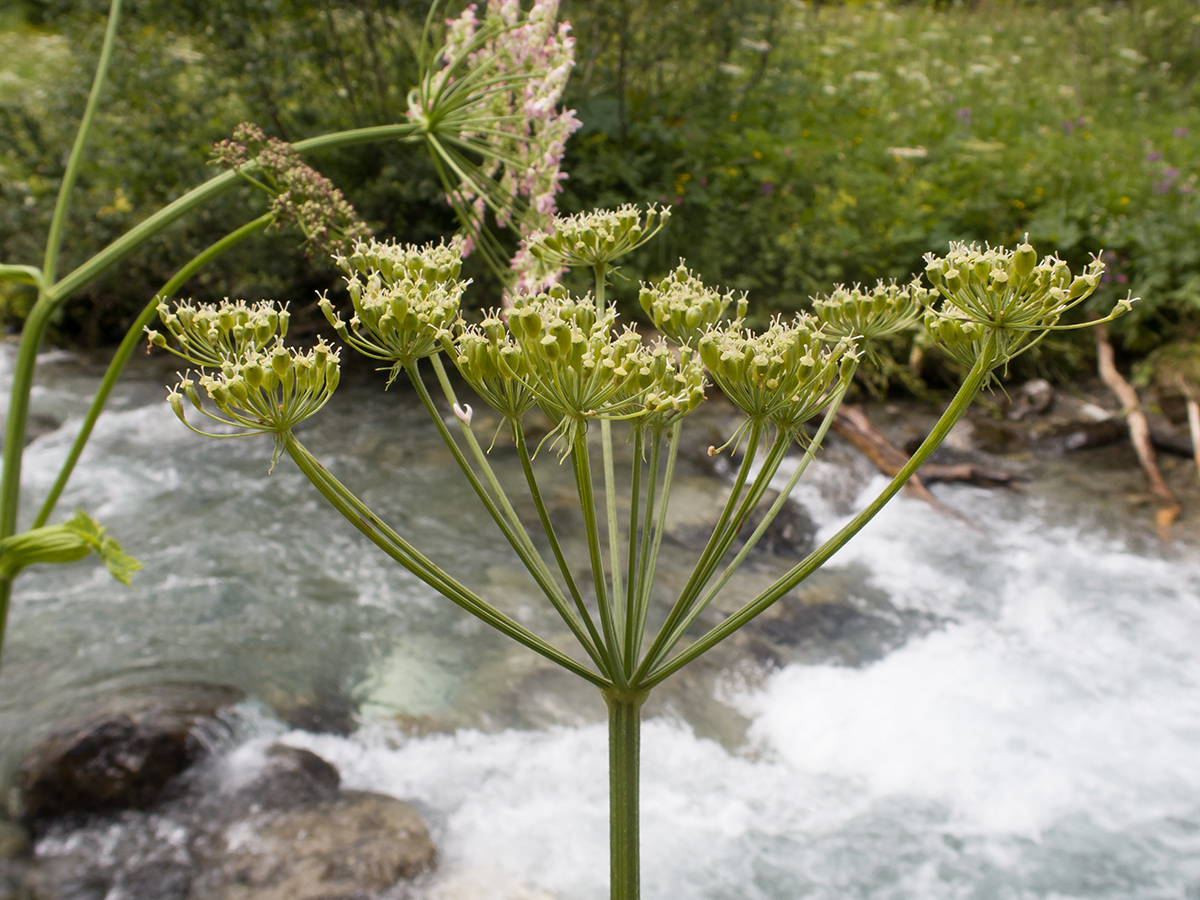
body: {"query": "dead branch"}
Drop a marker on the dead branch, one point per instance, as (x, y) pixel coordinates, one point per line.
(1139, 432)
(854, 425)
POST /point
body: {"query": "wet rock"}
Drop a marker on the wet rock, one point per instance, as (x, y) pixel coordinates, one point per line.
(792, 533)
(122, 759)
(291, 777)
(1031, 399)
(113, 763)
(344, 848)
(321, 709)
(837, 620)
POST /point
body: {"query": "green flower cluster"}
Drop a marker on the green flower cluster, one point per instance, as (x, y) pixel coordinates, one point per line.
(258, 385)
(490, 360)
(884, 310)
(597, 237)
(1007, 296)
(405, 299)
(682, 307)
(557, 353)
(578, 364)
(781, 376)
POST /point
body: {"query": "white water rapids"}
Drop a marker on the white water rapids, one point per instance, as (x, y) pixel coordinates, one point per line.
(1041, 742)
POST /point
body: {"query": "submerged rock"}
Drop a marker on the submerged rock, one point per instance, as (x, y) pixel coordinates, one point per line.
(837, 618)
(347, 847)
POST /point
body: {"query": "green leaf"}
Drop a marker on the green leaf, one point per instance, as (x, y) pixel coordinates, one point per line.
(119, 563)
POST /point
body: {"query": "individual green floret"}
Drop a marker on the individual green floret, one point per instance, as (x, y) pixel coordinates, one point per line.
(405, 299)
(782, 375)
(490, 361)
(221, 334)
(884, 310)
(683, 308)
(1007, 298)
(597, 237)
(269, 392)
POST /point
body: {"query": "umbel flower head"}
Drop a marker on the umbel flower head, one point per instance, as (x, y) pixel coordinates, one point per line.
(491, 92)
(597, 237)
(884, 310)
(269, 392)
(666, 384)
(257, 384)
(783, 375)
(683, 308)
(405, 299)
(1009, 298)
(574, 358)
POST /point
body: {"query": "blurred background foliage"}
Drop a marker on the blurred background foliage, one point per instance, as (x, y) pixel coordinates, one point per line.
(799, 144)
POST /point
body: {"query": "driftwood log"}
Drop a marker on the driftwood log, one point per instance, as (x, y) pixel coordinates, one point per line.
(853, 424)
(1139, 432)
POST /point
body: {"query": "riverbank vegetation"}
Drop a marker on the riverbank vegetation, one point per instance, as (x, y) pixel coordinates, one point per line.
(800, 144)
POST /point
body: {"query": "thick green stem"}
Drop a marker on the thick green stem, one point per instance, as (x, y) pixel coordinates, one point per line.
(133, 337)
(974, 381)
(624, 771)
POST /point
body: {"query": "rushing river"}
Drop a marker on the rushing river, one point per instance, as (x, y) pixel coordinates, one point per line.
(1039, 740)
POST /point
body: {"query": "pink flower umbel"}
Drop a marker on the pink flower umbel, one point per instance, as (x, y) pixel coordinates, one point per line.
(501, 79)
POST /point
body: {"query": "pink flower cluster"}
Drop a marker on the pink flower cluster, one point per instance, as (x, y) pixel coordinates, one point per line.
(524, 123)
(300, 195)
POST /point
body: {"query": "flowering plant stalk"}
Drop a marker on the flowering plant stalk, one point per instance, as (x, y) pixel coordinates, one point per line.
(569, 356)
(459, 108)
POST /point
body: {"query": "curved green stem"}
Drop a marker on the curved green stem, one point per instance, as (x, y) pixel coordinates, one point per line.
(362, 518)
(131, 240)
(132, 338)
(59, 220)
(974, 381)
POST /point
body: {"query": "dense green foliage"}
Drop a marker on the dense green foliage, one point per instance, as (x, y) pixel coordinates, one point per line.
(800, 144)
